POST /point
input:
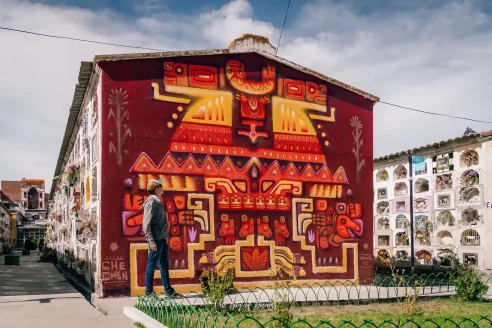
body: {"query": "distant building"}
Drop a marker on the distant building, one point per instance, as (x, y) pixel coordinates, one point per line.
(17, 212)
(451, 203)
(5, 228)
(31, 194)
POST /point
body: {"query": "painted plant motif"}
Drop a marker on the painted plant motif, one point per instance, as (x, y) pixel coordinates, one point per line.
(117, 100)
(358, 143)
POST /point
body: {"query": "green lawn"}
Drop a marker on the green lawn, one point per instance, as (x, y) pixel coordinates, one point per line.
(432, 309)
(435, 309)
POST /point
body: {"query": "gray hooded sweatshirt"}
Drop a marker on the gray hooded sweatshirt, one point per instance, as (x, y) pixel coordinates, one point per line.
(154, 222)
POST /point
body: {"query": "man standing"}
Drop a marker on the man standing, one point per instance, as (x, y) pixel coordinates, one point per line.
(156, 232)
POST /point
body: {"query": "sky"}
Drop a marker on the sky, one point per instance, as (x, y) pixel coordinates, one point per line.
(433, 55)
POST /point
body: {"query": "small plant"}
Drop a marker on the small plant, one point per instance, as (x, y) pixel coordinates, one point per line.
(408, 303)
(80, 264)
(139, 324)
(469, 286)
(72, 174)
(49, 255)
(215, 287)
(63, 229)
(282, 303)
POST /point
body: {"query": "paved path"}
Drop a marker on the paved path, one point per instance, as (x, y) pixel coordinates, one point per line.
(35, 294)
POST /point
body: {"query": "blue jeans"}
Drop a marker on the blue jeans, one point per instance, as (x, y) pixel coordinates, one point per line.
(160, 256)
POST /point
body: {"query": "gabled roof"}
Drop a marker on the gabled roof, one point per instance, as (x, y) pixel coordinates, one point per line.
(212, 52)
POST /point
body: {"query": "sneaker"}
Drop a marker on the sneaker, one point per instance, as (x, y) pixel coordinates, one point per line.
(172, 293)
(151, 294)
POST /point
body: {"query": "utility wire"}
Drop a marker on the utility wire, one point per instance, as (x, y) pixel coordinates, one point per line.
(152, 49)
(437, 114)
(75, 39)
(283, 26)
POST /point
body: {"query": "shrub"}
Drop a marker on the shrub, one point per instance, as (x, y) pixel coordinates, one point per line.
(30, 245)
(469, 286)
(215, 287)
(49, 255)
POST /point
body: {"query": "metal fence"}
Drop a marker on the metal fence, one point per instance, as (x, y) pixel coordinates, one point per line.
(193, 310)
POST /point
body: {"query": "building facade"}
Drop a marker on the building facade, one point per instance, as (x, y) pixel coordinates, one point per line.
(30, 196)
(16, 210)
(451, 204)
(5, 228)
(265, 165)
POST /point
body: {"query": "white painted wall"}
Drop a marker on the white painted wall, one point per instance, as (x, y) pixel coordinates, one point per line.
(484, 251)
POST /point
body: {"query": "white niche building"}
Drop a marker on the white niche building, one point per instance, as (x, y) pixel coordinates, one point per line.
(452, 203)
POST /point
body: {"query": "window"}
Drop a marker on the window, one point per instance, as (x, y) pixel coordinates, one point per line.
(95, 151)
(25, 204)
(470, 237)
(25, 194)
(40, 194)
(41, 204)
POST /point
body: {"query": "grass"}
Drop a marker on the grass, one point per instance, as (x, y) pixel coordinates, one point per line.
(433, 309)
(139, 325)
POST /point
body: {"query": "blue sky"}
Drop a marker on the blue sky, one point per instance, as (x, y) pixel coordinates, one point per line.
(432, 55)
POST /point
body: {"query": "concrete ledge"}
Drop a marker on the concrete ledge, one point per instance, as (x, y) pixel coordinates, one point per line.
(136, 315)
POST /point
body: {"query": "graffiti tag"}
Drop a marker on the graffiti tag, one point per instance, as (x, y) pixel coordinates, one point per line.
(114, 270)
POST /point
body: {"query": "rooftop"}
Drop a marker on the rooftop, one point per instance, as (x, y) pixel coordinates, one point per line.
(468, 137)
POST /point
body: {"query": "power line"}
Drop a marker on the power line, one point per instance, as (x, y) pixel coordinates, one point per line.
(76, 39)
(152, 49)
(437, 114)
(283, 26)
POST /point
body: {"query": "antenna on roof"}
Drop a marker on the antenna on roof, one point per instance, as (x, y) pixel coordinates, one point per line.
(469, 131)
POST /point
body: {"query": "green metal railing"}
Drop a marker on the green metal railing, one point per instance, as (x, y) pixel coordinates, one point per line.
(193, 310)
(174, 315)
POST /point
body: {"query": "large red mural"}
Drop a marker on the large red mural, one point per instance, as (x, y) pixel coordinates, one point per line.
(263, 166)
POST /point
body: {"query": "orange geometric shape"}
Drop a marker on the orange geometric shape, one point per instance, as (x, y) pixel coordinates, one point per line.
(321, 205)
(205, 77)
(180, 202)
(325, 175)
(266, 185)
(291, 171)
(294, 89)
(309, 173)
(340, 176)
(209, 168)
(144, 165)
(190, 166)
(200, 113)
(241, 185)
(169, 165)
(133, 202)
(175, 74)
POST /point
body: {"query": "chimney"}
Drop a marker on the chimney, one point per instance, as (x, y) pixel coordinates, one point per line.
(251, 42)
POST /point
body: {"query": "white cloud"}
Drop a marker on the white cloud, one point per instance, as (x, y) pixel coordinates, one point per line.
(431, 58)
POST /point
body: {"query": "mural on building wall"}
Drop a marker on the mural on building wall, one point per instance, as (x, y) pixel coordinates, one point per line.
(251, 176)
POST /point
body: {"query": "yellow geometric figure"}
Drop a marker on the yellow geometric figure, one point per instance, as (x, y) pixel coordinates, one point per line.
(330, 118)
(210, 106)
(158, 96)
(289, 116)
